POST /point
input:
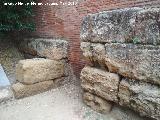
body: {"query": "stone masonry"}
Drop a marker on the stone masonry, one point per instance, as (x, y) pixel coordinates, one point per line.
(47, 67)
(122, 48)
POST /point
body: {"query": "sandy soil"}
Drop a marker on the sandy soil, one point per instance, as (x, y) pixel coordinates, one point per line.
(63, 103)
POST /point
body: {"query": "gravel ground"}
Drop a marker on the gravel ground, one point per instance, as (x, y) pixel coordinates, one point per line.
(63, 103)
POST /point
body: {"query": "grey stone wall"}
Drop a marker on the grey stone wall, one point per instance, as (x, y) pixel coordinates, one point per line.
(122, 48)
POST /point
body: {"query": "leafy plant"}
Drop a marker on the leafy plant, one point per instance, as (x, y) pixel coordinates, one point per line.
(16, 17)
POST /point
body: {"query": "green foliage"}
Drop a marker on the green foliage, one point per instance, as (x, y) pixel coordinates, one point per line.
(16, 17)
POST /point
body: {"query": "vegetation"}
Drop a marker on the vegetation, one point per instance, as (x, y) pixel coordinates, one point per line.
(15, 17)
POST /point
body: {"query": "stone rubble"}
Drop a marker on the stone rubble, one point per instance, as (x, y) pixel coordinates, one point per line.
(41, 74)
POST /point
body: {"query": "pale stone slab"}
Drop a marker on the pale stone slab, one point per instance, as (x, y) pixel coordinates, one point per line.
(20, 90)
(32, 71)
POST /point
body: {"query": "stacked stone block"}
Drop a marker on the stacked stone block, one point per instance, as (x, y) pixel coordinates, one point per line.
(122, 48)
(48, 70)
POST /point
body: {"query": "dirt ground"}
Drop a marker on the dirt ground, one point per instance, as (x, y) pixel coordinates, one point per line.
(63, 103)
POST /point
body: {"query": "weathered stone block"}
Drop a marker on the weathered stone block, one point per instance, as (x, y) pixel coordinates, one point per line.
(140, 62)
(130, 25)
(55, 49)
(141, 97)
(86, 49)
(101, 83)
(32, 71)
(20, 90)
(146, 26)
(94, 53)
(96, 103)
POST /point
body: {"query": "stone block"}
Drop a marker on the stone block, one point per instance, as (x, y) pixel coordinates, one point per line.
(54, 49)
(94, 54)
(32, 71)
(21, 90)
(96, 103)
(129, 25)
(140, 62)
(101, 83)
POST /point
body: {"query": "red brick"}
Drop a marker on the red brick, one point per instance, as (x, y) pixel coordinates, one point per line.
(65, 21)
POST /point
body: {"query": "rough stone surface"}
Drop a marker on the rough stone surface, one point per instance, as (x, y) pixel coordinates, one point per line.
(55, 49)
(20, 90)
(97, 103)
(142, 97)
(124, 113)
(141, 62)
(32, 71)
(130, 25)
(101, 83)
(125, 42)
(94, 53)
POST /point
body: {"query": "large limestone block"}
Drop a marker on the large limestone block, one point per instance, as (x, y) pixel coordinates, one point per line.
(32, 71)
(129, 25)
(55, 49)
(101, 83)
(141, 62)
(96, 103)
(20, 90)
(141, 97)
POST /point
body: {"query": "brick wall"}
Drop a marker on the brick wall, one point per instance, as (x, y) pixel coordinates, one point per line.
(65, 21)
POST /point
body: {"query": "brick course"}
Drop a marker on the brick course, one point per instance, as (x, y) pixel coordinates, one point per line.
(65, 21)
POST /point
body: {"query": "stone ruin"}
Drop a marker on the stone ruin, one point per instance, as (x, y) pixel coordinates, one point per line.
(46, 67)
(122, 49)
